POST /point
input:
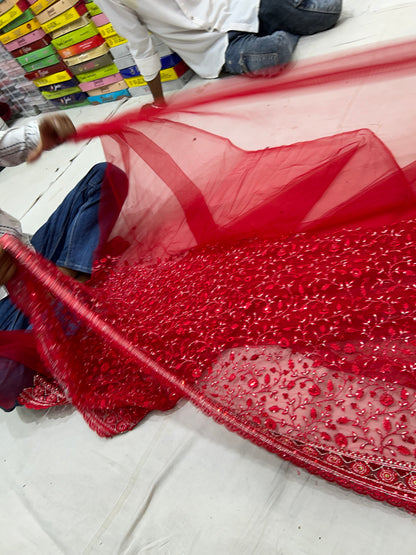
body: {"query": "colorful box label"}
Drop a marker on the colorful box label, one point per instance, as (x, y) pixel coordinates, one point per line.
(110, 97)
(54, 87)
(93, 9)
(89, 85)
(98, 73)
(6, 5)
(168, 74)
(129, 69)
(70, 15)
(118, 86)
(36, 55)
(26, 16)
(73, 26)
(41, 5)
(45, 71)
(170, 60)
(44, 62)
(86, 56)
(69, 39)
(20, 31)
(62, 92)
(55, 78)
(90, 65)
(15, 12)
(106, 30)
(69, 99)
(56, 9)
(173, 85)
(128, 72)
(115, 40)
(31, 47)
(81, 47)
(100, 19)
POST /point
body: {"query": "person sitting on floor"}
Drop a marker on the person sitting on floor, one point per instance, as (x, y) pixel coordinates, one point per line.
(72, 236)
(255, 37)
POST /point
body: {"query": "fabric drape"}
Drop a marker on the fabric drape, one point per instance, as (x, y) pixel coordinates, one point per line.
(274, 287)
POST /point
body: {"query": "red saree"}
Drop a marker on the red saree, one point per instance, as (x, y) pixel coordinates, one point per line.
(274, 288)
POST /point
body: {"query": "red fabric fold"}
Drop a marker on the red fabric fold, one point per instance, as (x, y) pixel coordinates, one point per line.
(271, 285)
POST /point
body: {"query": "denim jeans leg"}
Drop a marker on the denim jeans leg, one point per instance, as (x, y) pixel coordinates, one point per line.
(263, 56)
(75, 220)
(72, 238)
(74, 233)
(71, 234)
(300, 17)
(10, 317)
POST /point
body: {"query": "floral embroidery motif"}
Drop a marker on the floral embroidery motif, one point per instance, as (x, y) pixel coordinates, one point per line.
(305, 345)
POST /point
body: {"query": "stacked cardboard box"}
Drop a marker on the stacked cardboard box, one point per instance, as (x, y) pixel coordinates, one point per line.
(174, 73)
(66, 23)
(111, 85)
(70, 52)
(20, 35)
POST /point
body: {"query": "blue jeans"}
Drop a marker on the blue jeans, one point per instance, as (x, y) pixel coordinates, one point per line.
(68, 238)
(281, 22)
(72, 238)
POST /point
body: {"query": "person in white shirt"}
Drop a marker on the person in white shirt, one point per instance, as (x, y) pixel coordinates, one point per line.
(255, 37)
(21, 144)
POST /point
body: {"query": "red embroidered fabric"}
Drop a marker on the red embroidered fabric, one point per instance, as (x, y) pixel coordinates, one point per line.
(274, 288)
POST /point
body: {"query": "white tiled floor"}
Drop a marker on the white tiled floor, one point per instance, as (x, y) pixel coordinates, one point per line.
(178, 483)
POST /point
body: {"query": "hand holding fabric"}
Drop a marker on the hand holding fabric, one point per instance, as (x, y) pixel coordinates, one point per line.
(54, 130)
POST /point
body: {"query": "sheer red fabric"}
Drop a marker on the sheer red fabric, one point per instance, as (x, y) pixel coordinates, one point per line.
(274, 287)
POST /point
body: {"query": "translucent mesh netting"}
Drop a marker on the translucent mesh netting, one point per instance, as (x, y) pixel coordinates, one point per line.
(272, 285)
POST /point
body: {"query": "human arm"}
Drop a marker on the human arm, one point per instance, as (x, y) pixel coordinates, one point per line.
(127, 23)
(27, 142)
(17, 145)
(11, 226)
(7, 267)
(54, 129)
(17, 142)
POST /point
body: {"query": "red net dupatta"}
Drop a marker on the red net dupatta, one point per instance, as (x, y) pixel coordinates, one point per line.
(269, 276)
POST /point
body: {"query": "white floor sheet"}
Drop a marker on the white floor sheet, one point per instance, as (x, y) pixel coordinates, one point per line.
(178, 483)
